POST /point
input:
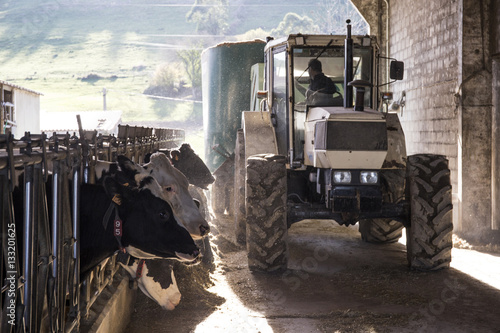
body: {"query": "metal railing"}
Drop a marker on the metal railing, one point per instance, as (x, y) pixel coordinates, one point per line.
(40, 179)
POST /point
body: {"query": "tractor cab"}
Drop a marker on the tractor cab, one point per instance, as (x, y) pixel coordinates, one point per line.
(305, 72)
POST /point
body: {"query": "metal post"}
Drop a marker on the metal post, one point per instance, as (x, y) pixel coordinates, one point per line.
(44, 255)
(28, 245)
(348, 70)
(76, 246)
(104, 99)
(56, 239)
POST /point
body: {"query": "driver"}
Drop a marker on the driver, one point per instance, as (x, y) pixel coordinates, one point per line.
(319, 81)
(321, 88)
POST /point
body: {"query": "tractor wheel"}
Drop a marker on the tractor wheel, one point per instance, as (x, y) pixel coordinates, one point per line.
(266, 228)
(385, 230)
(429, 236)
(239, 189)
(380, 230)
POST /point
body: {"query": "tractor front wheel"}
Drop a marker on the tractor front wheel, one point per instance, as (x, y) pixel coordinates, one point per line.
(429, 236)
(266, 228)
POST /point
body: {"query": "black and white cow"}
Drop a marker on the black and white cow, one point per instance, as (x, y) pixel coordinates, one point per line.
(175, 188)
(148, 227)
(156, 280)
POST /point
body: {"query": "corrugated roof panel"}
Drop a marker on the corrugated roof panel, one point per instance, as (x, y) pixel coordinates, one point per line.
(19, 87)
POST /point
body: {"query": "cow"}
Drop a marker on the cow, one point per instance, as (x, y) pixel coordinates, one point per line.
(173, 182)
(191, 165)
(156, 280)
(119, 217)
(159, 282)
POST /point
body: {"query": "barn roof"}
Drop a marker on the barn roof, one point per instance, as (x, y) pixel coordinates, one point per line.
(105, 122)
(19, 87)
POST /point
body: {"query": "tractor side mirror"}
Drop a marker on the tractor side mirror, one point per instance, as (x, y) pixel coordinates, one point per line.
(397, 70)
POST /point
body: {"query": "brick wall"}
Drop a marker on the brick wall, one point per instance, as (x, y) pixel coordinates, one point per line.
(424, 34)
(448, 47)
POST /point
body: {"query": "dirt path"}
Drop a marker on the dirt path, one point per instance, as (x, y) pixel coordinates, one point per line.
(335, 283)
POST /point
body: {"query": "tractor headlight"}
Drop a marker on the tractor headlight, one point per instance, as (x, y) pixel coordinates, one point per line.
(342, 177)
(368, 177)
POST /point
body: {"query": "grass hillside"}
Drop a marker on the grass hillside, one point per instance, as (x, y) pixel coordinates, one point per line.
(70, 50)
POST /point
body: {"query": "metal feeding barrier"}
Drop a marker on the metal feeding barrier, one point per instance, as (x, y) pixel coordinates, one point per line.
(40, 180)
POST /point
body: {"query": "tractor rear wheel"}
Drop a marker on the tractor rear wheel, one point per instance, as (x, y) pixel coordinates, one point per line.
(429, 236)
(380, 230)
(266, 227)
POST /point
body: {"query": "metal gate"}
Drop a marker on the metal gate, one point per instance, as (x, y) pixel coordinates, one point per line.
(40, 179)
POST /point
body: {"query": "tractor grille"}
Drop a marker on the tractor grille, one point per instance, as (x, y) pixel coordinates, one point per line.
(350, 135)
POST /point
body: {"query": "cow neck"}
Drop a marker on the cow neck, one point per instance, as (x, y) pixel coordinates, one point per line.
(117, 224)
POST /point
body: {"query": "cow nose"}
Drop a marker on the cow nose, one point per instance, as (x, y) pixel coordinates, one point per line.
(204, 229)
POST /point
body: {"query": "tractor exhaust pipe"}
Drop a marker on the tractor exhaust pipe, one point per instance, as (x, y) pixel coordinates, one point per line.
(348, 67)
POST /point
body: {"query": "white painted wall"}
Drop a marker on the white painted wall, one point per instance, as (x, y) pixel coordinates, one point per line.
(27, 111)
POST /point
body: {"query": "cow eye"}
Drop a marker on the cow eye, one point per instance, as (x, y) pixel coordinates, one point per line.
(197, 202)
(169, 188)
(164, 215)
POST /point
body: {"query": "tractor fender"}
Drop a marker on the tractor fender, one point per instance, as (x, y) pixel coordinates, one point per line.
(396, 146)
(259, 134)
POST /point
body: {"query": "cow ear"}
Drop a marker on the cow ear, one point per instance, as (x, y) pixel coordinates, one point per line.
(128, 168)
(160, 161)
(115, 191)
(176, 155)
(186, 147)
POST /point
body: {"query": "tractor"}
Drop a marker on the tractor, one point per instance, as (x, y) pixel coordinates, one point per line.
(305, 154)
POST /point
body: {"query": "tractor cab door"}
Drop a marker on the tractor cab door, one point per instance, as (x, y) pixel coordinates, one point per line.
(279, 96)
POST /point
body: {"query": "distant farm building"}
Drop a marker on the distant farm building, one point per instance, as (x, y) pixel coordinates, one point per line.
(19, 109)
(105, 122)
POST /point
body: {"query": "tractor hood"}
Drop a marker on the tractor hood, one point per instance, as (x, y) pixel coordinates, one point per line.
(340, 138)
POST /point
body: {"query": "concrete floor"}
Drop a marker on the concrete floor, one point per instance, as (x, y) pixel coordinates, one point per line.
(335, 283)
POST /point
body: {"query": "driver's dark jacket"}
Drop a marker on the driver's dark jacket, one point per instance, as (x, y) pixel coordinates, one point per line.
(322, 84)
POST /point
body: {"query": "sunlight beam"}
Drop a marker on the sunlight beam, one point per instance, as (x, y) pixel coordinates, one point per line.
(481, 266)
(242, 319)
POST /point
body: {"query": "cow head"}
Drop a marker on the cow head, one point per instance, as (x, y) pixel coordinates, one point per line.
(149, 227)
(156, 280)
(191, 165)
(175, 191)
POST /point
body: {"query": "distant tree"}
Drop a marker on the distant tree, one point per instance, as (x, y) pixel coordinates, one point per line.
(191, 59)
(210, 16)
(293, 23)
(166, 81)
(258, 33)
(331, 16)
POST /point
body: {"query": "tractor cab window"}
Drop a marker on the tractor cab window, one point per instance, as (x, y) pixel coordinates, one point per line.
(279, 96)
(318, 81)
(319, 75)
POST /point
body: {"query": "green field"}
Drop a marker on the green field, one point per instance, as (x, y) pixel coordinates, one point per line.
(51, 46)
